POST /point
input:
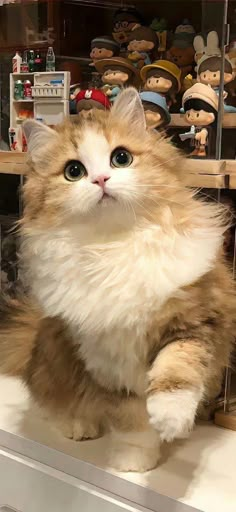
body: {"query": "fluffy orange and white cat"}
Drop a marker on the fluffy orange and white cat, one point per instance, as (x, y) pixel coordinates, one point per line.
(129, 321)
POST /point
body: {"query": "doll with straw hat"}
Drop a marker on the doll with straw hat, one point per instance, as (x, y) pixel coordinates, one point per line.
(163, 77)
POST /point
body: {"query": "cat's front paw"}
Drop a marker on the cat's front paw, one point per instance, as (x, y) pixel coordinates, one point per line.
(172, 413)
(134, 451)
(78, 430)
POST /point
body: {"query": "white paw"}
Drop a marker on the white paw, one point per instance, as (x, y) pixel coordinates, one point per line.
(172, 413)
(130, 452)
(79, 430)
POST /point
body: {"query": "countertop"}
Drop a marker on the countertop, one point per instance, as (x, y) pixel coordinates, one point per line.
(200, 471)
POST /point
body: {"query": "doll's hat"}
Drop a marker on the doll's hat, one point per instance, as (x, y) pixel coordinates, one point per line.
(166, 65)
(108, 42)
(93, 94)
(119, 62)
(201, 92)
(156, 99)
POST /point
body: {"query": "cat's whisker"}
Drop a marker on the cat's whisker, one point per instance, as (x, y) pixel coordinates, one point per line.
(162, 198)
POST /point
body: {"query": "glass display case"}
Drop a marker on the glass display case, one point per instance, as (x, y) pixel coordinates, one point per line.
(188, 33)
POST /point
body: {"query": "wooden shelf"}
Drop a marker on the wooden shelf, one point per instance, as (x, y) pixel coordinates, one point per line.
(202, 173)
(12, 163)
(226, 419)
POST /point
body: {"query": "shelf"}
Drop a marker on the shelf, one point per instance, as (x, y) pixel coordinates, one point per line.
(202, 173)
(23, 101)
(15, 75)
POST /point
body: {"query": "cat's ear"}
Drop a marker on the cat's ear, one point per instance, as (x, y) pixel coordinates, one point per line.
(38, 136)
(128, 107)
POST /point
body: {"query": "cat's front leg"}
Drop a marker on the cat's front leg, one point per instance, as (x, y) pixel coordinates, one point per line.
(133, 444)
(78, 429)
(176, 387)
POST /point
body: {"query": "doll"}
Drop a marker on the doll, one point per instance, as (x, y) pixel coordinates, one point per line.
(163, 77)
(209, 67)
(89, 99)
(184, 32)
(103, 47)
(209, 73)
(200, 104)
(116, 74)
(156, 110)
(125, 20)
(143, 42)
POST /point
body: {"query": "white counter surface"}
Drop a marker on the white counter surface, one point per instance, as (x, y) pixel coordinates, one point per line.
(200, 472)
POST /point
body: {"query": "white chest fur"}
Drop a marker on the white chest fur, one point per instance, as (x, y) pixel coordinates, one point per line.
(109, 292)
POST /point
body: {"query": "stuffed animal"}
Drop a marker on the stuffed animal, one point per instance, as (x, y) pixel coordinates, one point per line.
(156, 110)
(183, 56)
(88, 99)
(200, 104)
(103, 47)
(143, 43)
(116, 73)
(163, 77)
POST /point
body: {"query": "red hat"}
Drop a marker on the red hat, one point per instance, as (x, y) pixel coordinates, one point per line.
(93, 94)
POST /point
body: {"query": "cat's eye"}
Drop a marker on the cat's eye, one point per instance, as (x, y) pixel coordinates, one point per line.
(74, 170)
(120, 157)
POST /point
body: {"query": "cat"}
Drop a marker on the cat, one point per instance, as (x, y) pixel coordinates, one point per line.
(129, 320)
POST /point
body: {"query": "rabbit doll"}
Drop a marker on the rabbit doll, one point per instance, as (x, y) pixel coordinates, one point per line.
(208, 59)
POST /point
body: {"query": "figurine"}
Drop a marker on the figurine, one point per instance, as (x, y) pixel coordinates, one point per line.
(163, 77)
(211, 48)
(156, 110)
(125, 20)
(143, 42)
(184, 32)
(209, 67)
(89, 99)
(116, 74)
(103, 47)
(200, 104)
(160, 27)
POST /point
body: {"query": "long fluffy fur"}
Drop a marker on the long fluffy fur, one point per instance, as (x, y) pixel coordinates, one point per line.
(130, 320)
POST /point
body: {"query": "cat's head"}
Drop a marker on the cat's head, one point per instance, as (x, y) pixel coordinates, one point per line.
(108, 168)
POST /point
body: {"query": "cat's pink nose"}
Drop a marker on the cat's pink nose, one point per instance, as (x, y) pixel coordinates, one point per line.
(101, 180)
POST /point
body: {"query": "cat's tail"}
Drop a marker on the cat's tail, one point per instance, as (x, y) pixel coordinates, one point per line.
(19, 322)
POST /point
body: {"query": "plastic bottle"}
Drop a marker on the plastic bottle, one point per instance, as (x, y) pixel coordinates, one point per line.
(16, 63)
(50, 60)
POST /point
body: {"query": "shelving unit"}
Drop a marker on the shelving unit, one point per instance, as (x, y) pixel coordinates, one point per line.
(49, 103)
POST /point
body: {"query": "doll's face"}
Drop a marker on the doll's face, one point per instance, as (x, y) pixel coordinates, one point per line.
(213, 78)
(101, 53)
(158, 84)
(114, 77)
(122, 30)
(199, 117)
(140, 46)
(153, 119)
